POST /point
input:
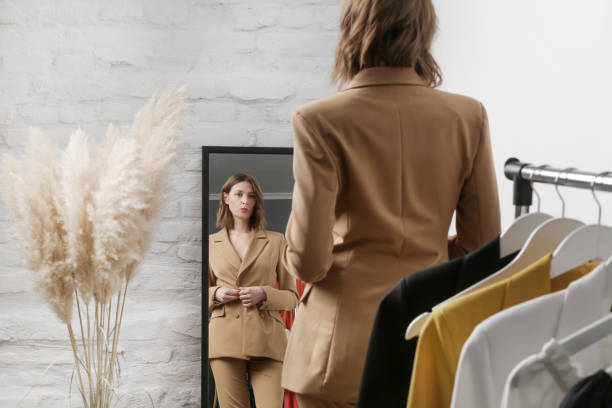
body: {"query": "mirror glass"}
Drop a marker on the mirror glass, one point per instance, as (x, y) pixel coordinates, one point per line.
(273, 169)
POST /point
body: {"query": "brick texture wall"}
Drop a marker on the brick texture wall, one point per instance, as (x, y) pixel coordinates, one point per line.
(66, 64)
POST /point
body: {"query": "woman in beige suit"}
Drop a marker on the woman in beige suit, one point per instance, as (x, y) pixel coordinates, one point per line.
(380, 168)
(246, 333)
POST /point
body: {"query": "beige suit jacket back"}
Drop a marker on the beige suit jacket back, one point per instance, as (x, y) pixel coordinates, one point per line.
(241, 332)
(379, 170)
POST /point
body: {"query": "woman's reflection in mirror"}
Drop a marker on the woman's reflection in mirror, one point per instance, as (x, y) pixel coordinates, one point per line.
(248, 286)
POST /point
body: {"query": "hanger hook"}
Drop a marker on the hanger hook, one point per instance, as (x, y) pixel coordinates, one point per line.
(534, 173)
(602, 174)
(566, 170)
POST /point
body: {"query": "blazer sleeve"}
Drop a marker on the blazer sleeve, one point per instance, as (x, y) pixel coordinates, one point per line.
(477, 214)
(285, 297)
(212, 288)
(309, 229)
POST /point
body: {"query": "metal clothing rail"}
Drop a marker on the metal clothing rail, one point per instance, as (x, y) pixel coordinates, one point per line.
(523, 174)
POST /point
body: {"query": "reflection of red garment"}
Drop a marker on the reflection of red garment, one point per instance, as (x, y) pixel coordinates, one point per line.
(288, 317)
(300, 287)
(290, 400)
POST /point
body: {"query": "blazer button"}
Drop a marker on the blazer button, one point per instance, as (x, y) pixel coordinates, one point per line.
(237, 315)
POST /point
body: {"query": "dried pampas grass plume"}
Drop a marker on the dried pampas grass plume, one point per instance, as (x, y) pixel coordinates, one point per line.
(33, 197)
(79, 170)
(117, 214)
(156, 128)
(85, 220)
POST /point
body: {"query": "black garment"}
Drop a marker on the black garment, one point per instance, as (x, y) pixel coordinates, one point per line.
(388, 367)
(594, 391)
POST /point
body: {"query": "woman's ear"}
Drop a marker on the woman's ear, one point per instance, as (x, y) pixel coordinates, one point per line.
(224, 197)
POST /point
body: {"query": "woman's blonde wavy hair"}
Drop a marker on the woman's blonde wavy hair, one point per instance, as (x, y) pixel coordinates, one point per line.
(224, 215)
(392, 33)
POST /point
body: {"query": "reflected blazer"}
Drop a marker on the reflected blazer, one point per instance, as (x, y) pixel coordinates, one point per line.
(379, 169)
(237, 331)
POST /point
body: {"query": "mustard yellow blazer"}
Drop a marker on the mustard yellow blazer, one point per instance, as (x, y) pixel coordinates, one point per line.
(237, 331)
(379, 169)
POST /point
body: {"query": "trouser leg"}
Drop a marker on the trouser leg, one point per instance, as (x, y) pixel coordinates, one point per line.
(265, 376)
(230, 381)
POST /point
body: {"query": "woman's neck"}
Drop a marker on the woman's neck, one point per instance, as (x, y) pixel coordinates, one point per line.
(241, 226)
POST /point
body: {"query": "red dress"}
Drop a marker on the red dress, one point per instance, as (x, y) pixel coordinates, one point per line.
(288, 317)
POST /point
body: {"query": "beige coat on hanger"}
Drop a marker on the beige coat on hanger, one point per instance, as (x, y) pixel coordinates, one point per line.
(379, 170)
(237, 331)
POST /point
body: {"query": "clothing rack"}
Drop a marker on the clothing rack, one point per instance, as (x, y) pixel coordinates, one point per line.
(524, 174)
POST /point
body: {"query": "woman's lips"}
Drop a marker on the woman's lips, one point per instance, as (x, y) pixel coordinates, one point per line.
(244, 210)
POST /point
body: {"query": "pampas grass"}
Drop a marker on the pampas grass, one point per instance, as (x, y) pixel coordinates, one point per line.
(85, 219)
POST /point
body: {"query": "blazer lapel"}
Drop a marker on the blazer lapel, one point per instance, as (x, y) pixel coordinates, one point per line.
(227, 249)
(258, 242)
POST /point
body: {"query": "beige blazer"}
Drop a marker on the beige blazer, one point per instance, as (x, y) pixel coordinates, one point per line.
(237, 331)
(379, 170)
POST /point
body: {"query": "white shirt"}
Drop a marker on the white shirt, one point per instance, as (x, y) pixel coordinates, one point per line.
(500, 342)
(541, 380)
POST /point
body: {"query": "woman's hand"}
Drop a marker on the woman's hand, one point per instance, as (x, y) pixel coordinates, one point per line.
(224, 295)
(252, 295)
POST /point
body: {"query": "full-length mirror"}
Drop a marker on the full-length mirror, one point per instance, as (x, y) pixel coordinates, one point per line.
(271, 169)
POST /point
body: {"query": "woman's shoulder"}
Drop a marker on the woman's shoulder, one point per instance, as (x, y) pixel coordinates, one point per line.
(345, 104)
(467, 102)
(274, 235)
(325, 108)
(217, 235)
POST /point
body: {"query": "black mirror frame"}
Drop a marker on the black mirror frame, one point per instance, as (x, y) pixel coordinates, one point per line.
(206, 385)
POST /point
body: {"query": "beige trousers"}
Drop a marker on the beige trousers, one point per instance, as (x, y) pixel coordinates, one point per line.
(231, 382)
(307, 401)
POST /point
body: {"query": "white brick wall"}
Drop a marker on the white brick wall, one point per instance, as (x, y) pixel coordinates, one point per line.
(65, 64)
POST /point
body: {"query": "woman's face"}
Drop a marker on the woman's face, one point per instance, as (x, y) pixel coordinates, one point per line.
(241, 200)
